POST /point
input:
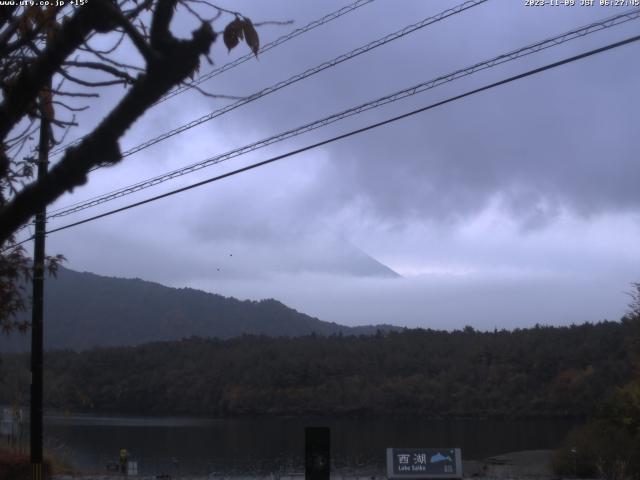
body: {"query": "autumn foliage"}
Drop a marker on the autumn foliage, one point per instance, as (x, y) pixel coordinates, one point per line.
(17, 466)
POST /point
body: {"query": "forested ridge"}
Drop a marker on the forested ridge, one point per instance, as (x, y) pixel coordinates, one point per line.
(542, 371)
(86, 310)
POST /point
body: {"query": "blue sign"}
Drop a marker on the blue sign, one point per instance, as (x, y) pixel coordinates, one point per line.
(424, 463)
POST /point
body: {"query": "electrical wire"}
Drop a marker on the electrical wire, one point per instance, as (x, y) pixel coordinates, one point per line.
(301, 76)
(352, 133)
(510, 56)
(228, 66)
(249, 56)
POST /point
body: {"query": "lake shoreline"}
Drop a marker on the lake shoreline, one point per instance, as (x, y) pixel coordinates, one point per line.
(348, 415)
(524, 464)
(276, 446)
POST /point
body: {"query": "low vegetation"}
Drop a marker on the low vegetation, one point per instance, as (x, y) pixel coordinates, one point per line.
(608, 445)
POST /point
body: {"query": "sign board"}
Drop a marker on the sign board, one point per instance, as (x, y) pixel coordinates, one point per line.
(132, 468)
(424, 463)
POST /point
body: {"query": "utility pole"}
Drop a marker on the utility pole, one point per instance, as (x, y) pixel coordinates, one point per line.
(37, 464)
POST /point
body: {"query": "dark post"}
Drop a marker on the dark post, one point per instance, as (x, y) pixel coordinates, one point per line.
(317, 465)
(37, 310)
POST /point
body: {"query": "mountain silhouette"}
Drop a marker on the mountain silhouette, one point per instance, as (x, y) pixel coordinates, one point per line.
(84, 310)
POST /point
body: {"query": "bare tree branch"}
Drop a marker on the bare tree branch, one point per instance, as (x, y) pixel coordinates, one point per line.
(87, 83)
(38, 42)
(104, 52)
(159, 31)
(138, 40)
(110, 61)
(178, 60)
(63, 93)
(273, 22)
(213, 95)
(31, 80)
(134, 12)
(69, 107)
(102, 67)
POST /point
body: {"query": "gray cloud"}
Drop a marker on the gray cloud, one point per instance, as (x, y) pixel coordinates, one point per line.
(526, 189)
(542, 144)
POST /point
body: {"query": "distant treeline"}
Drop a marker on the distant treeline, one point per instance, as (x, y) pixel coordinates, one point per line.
(542, 371)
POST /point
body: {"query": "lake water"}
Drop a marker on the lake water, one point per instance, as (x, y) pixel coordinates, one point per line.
(276, 445)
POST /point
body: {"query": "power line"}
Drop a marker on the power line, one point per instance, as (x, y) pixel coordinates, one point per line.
(249, 56)
(306, 74)
(355, 132)
(228, 66)
(393, 36)
(510, 56)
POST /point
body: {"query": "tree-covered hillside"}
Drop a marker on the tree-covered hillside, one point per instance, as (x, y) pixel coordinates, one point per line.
(543, 371)
(85, 310)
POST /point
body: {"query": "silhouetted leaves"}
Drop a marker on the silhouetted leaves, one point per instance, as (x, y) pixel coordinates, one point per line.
(39, 18)
(239, 29)
(53, 264)
(233, 34)
(15, 271)
(251, 36)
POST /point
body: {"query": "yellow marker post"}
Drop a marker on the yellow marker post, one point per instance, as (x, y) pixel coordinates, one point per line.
(123, 460)
(37, 471)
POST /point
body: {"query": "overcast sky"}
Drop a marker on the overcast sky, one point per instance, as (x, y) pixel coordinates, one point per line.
(512, 207)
